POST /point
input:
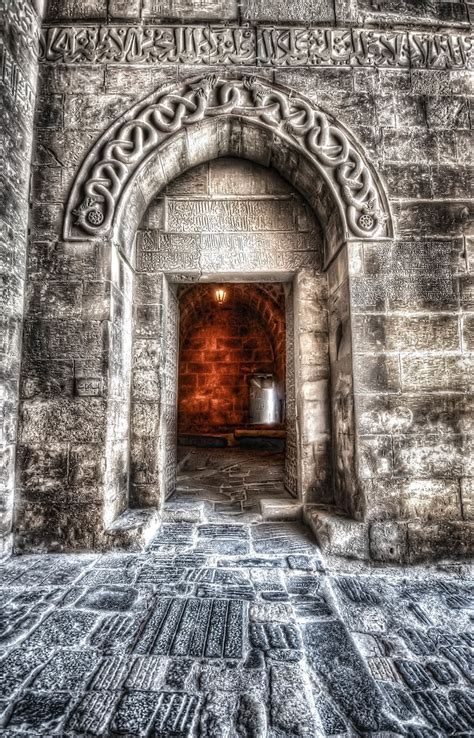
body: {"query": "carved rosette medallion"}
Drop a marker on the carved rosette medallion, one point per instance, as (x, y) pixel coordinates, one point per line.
(117, 156)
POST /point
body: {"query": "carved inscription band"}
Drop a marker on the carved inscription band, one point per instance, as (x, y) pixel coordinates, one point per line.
(114, 160)
(248, 45)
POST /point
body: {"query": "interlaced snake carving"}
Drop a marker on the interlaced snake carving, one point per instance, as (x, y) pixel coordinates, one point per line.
(118, 155)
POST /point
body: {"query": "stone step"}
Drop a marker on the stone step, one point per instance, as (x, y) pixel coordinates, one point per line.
(134, 529)
(272, 509)
(336, 534)
(184, 512)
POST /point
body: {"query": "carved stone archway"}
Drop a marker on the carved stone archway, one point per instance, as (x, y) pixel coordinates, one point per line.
(172, 130)
(119, 155)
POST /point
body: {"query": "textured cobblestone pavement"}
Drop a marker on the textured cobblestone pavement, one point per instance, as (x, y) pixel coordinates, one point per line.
(232, 627)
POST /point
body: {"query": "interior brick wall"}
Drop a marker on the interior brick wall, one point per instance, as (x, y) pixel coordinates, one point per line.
(223, 347)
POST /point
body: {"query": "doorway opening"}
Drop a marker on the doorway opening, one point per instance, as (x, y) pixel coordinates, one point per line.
(231, 377)
(231, 360)
(231, 395)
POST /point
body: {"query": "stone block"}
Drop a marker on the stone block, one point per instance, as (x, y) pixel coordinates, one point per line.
(439, 219)
(405, 291)
(466, 284)
(272, 509)
(149, 321)
(226, 177)
(61, 260)
(216, 216)
(147, 354)
(67, 148)
(75, 9)
(338, 535)
(46, 221)
(374, 456)
(64, 339)
(195, 181)
(447, 112)
(148, 290)
(145, 416)
(468, 332)
(49, 111)
(397, 110)
(379, 373)
(409, 499)
(68, 526)
(338, 272)
(467, 498)
(439, 539)
(11, 295)
(421, 413)
(433, 456)
(410, 259)
(86, 466)
(63, 420)
(451, 181)
(217, 10)
(145, 461)
(388, 541)
(97, 301)
(313, 348)
(440, 373)
(71, 79)
(334, 659)
(124, 9)
(91, 112)
(290, 705)
(44, 379)
(133, 530)
(303, 11)
(120, 77)
(403, 12)
(418, 146)
(42, 467)
(154, 217)
(54, 299)
(311, 82)
(408, 181)
(431, 332)
(47, 185)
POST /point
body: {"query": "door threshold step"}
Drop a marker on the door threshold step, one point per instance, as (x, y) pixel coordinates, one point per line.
(134, 528)
(272, 509)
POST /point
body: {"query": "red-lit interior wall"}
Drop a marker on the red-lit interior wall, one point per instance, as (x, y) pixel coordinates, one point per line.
(220, 346)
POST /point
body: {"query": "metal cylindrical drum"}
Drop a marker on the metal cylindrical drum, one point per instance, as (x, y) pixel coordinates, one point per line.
(264, 406)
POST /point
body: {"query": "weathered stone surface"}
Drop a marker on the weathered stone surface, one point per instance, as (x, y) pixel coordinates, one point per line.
(290, 706)
(335, 659)
(378, 390)
(115, 644)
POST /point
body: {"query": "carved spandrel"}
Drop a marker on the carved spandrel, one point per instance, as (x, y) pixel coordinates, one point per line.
(267, 46)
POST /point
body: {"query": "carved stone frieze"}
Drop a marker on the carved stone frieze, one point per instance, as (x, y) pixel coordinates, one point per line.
(248, 45)
(119, 153)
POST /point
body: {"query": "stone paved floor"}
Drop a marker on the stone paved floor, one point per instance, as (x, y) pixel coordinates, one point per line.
(233, 627)
(228, 482)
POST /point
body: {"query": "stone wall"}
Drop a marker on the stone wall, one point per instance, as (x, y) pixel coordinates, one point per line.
(19, 32)
(396, 74)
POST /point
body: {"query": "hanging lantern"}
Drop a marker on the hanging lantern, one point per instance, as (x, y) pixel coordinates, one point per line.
(221, 295)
